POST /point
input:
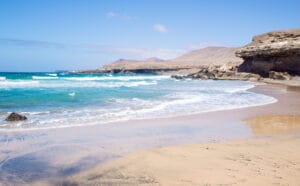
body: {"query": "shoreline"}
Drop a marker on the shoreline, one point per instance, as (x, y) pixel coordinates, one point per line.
(99, 144)
(252, 89)
(268, 157)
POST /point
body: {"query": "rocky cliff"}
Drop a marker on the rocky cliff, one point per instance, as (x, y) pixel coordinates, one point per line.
(274, 51)
(275, 55)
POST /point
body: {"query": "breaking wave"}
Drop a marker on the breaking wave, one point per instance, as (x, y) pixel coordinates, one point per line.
(63, 84)
(66, 101)
(44, 77)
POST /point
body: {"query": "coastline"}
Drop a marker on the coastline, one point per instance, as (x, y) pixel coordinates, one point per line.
(26, 155)
(267, 158)
(149, 93)
(186, 113)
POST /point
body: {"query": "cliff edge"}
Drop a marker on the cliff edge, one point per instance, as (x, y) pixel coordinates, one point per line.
(273, 51)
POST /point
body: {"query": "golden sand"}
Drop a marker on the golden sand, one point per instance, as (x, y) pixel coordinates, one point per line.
(266, 161)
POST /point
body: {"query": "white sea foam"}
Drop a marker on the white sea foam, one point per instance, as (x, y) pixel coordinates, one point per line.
(117, 78)
(43, 77)
(81, 78)
(137, 108)
(166, 99)
(52, 74)
(72, 94)
(81, 82)
(109, 84)
(58, 84)
(18, 83)
(237, 88)
(128, 78)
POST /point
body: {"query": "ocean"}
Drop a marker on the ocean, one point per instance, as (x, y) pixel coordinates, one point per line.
(55, 100)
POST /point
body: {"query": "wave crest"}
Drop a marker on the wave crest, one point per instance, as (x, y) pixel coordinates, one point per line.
(43, 77)
(116, 78)
(62, 84)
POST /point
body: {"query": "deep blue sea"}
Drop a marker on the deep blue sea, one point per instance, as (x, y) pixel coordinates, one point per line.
(52, 100)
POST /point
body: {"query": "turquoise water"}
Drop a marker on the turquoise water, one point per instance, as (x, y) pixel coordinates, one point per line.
(52, 100)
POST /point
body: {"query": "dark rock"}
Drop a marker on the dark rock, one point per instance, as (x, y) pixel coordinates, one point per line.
(177, 77)
(15, 117)
(279, 75)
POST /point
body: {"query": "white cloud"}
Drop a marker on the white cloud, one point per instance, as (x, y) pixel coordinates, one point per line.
(116, 15)
(160, 28)
(111, 14)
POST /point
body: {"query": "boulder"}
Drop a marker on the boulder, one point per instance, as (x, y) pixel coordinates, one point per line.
(15, 117)
(274, 51)
(177, 77)
(279, 75)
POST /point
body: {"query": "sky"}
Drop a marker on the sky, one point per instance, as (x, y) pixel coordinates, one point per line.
(48, 35)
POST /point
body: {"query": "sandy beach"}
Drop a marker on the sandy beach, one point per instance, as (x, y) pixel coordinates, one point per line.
(269, 157)
(156, 151)
(149, 93)
(267, 161)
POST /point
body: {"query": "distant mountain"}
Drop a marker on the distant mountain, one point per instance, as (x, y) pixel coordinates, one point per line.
(274, 54)
(209, 56)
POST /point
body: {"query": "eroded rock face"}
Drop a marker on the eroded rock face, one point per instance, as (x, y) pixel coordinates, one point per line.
(15, 117)
(274, 51)
(279, 75)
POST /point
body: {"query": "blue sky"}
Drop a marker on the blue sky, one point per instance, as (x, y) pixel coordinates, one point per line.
(47, 35)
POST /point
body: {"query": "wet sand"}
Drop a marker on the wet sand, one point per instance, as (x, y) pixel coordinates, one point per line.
(47, 156)
(271, 158)
(274, 124)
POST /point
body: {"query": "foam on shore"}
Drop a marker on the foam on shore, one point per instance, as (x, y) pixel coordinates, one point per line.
(81, 100)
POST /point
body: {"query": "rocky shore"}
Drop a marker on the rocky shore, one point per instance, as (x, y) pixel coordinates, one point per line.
(270, 56)
(274, 55)
(218, 73)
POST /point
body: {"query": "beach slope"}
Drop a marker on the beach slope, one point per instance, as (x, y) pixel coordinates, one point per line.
(265, 161)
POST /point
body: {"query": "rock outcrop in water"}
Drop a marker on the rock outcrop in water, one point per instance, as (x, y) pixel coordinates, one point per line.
(277, 51)
(15, 117)
(217, 73)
